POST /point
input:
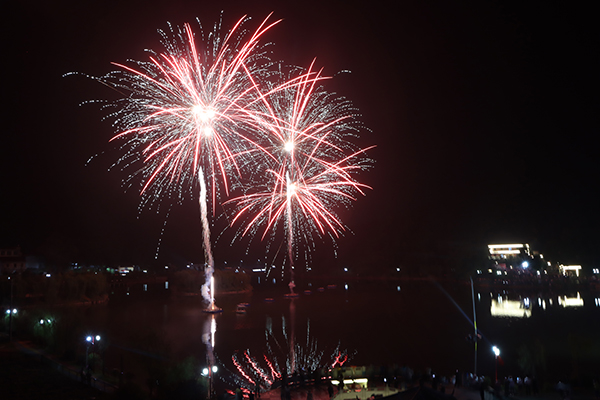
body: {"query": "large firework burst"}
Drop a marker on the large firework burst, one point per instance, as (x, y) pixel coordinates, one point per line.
(186, 121)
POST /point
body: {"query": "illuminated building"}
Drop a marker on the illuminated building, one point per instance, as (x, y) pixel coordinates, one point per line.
(568, 269)
(12, 260)
(510, 256)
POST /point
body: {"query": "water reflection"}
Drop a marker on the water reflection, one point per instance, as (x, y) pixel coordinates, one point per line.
(418, 326)
(509, 308)
(516, 306)
(571, 301)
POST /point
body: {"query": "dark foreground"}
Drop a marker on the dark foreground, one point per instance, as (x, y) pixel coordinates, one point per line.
(27, 374)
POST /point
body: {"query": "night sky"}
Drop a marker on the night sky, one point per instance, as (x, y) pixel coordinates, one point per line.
(485, 115)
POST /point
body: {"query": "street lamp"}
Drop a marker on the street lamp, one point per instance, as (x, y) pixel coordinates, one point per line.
(496, 351)
(208, 372)
(91, 339)
(10, 312)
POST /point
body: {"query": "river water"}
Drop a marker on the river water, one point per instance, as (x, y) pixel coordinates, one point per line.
(416, 323)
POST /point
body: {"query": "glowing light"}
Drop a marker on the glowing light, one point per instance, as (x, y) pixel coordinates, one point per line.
(503, 246)
(496, 351)
(203, 114)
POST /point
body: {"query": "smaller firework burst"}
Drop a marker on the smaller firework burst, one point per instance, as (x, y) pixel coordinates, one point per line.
(312, 169)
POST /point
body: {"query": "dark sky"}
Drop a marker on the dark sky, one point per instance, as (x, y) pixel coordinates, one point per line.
(485, 115)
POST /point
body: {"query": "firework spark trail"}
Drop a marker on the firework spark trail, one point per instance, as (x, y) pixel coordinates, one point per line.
(207, 247)
(241, 370)
(258, 370)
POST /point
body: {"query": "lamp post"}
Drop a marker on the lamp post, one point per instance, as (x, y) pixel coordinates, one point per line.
(474, 327)
(91, 341)
(496, 351)
(208, 372)
(10, 312)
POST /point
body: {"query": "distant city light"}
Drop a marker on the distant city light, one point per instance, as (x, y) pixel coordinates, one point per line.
(525, 264)
(496, 351)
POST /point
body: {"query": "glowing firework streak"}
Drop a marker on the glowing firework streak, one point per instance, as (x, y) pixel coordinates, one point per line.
(239, 368)
(207, 247)
(337, 360)
(274, 373)
(257, 369)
